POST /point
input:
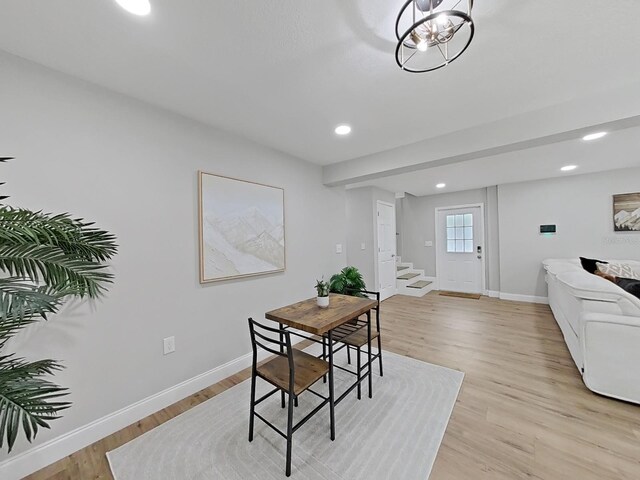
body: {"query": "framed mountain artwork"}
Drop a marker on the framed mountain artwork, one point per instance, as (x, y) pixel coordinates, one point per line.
(626, 212)
(241, 226)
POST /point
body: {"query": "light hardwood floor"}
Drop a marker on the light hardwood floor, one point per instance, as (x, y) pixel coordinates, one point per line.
(523, 411)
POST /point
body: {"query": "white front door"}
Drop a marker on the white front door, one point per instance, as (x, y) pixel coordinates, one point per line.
(460, 248)
(386, 249)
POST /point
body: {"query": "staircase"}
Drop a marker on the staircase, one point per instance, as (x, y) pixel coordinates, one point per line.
(411, 281)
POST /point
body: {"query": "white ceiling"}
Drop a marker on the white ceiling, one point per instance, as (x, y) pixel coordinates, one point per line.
(285, 72)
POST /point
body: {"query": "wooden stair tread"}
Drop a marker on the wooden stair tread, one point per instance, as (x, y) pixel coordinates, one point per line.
(472, 296)
(408, 276)
(419, 284)
(308, 370)
(401, 268)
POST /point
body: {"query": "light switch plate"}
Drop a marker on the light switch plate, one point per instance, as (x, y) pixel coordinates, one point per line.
(339, 248)
(362, 246)
(169, 345)
(428, 243)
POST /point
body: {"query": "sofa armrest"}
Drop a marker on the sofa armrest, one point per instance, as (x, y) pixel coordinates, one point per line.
(611, 355)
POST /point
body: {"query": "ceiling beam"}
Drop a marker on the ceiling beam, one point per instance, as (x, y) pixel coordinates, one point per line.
(610, 110)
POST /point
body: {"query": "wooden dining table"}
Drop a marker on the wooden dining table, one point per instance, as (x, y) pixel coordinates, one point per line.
(308, 317)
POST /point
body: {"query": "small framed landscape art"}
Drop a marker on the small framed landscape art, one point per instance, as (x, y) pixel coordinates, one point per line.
(241, 228)
(626, 212)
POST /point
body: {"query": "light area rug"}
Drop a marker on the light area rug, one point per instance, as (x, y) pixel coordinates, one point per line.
(394, 435)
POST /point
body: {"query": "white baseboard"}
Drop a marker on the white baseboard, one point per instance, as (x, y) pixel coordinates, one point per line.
(523, 298)
(492, 293)
(57, 448)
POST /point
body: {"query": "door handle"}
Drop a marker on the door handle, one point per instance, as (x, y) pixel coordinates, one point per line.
(480, 257)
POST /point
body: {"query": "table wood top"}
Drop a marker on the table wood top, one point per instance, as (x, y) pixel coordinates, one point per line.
(309, 317)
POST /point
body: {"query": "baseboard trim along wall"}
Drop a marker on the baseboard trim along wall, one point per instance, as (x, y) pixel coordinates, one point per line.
(57, 448)
(514, 297)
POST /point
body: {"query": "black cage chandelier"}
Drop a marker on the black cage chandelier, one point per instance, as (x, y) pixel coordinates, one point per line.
(432, 33)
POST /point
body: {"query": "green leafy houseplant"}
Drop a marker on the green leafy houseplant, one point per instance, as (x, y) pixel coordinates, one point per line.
(45, 259)
(348, 282)
(322, 288)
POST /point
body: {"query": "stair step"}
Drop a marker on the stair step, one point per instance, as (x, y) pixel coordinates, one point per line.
(401, 268)
(419, 284)
(408, 276)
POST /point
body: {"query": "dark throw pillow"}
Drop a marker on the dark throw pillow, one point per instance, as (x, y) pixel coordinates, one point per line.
(630, 285)
(589, 264)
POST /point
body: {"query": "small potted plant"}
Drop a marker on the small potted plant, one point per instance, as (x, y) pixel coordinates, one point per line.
(348, 282)
(322, 288)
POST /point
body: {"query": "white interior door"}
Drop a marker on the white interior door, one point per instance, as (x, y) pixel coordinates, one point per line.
(460, 248)
(386, 249)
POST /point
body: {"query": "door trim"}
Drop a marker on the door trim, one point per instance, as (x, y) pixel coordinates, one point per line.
(376, 257)
(438, 230)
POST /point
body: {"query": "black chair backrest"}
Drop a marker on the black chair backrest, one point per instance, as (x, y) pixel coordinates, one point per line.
(263, 337)
(365, 293)
(373, 296)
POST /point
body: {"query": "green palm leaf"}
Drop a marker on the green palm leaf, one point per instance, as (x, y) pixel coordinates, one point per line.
(22, 304)
(27, 400)
(73, 236)
(64, 274)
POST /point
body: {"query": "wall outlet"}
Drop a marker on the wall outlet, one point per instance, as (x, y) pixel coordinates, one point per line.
(339, 248)
(169, 345)
(428, 243)
(362, 246)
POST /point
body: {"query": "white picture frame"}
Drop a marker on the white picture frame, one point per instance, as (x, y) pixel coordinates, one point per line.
(241, 228)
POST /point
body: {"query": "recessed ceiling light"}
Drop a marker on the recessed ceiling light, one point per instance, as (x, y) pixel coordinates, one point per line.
(343, 130)
(441, 185)
(137, 7)
(594, 136)
(568, 168)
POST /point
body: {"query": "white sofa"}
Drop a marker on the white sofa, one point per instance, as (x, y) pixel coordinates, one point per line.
(601, 326)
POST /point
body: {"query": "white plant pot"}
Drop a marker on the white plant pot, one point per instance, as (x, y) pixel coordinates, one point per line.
(323, 302)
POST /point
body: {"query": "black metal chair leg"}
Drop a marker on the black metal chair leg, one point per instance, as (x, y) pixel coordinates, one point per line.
(359, 368)
(324, 356)
(348, 354)
(332, 416)
(295, 402)
(281, 351)
(380, 354)
(289, 434)
(369, 361)
(253, 405)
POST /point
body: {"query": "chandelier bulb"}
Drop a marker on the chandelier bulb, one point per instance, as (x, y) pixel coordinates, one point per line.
(423, 45)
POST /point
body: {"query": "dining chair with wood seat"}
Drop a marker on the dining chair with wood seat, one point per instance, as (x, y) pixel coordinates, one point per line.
(290, 371)
(354, 335)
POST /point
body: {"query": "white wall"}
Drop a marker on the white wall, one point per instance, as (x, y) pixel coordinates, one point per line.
(362, 227)
(580, 205)
(132, 169)
(492, 245)
(399, 226)
(359, 231)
